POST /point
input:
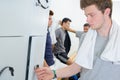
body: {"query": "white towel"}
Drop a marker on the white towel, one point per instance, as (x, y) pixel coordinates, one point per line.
(111, 52)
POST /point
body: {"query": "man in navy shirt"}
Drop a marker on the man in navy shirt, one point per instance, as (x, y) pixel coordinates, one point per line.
(48, 49)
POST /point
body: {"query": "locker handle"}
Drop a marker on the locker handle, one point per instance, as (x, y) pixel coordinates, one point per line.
(43, 6)
(11, 69)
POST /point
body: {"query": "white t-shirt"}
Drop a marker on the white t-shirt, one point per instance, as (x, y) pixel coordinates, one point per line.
(52, 34)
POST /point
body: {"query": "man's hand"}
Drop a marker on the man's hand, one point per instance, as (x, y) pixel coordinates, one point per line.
(44, 73)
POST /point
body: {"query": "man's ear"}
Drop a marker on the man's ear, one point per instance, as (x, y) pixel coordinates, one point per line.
(107, 11)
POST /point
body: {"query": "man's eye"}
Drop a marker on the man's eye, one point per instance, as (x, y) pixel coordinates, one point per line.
(92, 15)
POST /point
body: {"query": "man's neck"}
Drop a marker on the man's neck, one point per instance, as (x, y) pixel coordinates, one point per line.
(104, 31)
(62, 27)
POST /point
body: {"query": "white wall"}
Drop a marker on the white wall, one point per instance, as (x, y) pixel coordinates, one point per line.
(116, 11)
(71, 9)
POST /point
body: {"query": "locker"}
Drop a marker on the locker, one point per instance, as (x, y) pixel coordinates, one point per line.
(23, 28)
(22, 17)
(36, 57)
(13, 53)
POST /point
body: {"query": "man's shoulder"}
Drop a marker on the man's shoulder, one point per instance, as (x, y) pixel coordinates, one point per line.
(58, 30)
(80, 33)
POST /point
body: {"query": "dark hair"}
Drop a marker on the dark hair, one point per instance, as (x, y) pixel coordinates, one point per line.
(66, 20)
(86, 24)
(100, 4)
(51, 13)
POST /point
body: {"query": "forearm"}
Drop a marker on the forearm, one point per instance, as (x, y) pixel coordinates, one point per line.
(45, 73)
(68, 71)
(71, 30)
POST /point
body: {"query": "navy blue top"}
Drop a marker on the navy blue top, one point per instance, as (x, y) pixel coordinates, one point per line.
(48, 50)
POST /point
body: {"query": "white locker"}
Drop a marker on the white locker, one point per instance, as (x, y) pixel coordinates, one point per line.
(22, 54)
(22, 17)
(13, 53)
(23, 28)
(36, 56)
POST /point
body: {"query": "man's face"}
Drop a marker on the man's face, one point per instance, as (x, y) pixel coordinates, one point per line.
(86, 28)
(50, 21)
(94, 17)
(66, 25)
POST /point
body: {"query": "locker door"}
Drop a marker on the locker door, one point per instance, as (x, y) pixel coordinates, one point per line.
(36, 56)
(22, 17)
(13, 53)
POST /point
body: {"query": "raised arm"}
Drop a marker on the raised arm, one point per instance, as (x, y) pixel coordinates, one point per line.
(70, 29)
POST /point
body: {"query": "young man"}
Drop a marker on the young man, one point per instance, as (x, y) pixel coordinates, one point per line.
(63, 44)
(49, 59)
(99, 57)
(80, 34)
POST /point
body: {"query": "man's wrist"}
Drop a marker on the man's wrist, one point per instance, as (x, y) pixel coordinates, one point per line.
(54, 72)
